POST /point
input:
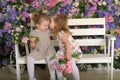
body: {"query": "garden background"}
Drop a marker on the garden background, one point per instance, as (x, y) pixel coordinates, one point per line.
(15, 20)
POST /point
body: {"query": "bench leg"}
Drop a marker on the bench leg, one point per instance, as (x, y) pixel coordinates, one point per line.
(18, 71)
(108, 71)
(111, 71)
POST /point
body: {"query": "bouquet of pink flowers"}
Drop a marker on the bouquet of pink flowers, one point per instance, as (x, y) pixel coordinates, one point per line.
(61, 64)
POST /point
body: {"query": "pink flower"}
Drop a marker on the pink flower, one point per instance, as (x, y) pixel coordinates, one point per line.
(73, 10)
(25, 39)
(109, 18)
(62, 57)
(7, 26)
(25, 14)
(61, 67)
(117, 31)
(51, 3)
(68, 67)
(35, 4)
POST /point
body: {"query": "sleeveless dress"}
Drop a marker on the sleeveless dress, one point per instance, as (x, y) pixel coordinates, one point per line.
(43, 48)
(58, 60)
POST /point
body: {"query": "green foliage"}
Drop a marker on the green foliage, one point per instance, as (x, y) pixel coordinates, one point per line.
(62, 61)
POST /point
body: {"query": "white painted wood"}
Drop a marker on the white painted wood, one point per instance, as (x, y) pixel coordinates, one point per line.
(86, 21)
(107, 58)
(90, 42)
(90, 31)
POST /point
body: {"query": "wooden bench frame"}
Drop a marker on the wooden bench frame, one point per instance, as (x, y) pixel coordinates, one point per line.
(107, 58)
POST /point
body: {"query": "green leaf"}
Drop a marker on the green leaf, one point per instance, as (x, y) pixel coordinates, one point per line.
(112, 31)
(62, 61)
(76, 55)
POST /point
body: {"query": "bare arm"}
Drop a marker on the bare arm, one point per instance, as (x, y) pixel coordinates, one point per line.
(65, 40)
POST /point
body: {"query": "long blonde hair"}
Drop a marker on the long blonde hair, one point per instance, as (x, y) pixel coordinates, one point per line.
(61, 24)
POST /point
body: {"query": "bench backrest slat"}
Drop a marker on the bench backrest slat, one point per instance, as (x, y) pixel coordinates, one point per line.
(86, 21)
(90, 31)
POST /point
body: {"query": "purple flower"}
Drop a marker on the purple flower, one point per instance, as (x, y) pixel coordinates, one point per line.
(35, 4)
(3, 3)
(118, 18)
(1, 33)
(4, 62)
(7, 26)
(117, 42)
(8, 8)
(100, 13)
(25, 14)
(2, 17)
(112, 25)
(66, 9)
(13, 15)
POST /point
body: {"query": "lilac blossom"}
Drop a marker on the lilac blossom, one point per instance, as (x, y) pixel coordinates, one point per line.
(49, 3)
(118, 17)
(2, 17)
(2, 31)
(4, 62)
(7, 26)
(3, 3)
(117, 42)
(66, 9)
(25, 14)
(35, 4)
(100, 13)
(112, 25)
(9, 8)
(13, 14)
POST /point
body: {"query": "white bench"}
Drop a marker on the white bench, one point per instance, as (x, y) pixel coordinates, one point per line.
(86, 58)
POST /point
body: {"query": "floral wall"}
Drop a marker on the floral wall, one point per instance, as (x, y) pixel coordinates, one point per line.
(15, 20)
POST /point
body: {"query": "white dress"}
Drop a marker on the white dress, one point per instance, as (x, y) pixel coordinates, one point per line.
(75, 51)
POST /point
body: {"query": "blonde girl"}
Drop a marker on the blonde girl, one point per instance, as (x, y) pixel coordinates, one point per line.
(67, 45)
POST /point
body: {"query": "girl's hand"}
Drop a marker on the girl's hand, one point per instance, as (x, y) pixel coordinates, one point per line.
(32, 42)
(68, 56)
(32, 45)
(33, 39)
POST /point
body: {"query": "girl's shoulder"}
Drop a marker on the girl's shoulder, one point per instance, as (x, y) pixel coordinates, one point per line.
(34, 32)
(63, 34)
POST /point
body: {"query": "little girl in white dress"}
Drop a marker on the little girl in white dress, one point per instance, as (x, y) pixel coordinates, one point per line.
(69, 50)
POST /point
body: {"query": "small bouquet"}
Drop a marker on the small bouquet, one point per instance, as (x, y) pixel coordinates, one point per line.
(61, 63)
